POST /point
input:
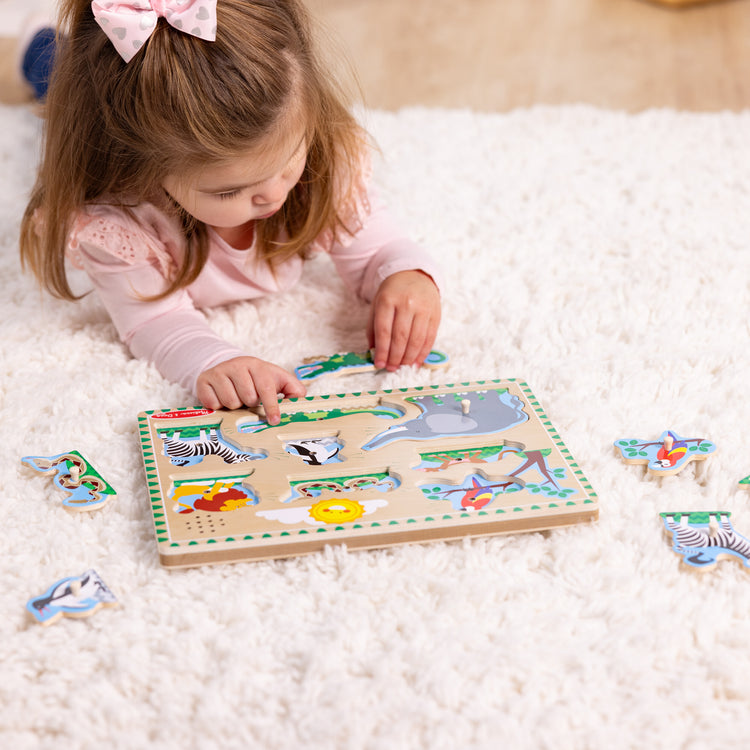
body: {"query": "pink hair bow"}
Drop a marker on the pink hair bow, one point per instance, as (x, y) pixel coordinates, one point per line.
(130, 23)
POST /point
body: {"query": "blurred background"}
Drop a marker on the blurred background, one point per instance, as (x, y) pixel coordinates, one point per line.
(496, 55)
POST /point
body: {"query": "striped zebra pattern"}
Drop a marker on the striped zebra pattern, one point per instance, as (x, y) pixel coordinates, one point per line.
(689, 538)
(191, 451)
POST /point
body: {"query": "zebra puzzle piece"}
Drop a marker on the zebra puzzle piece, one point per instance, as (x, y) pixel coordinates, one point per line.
(704, 538)
(75, 596)
(348, 363)
(83, 485)
(666, 456)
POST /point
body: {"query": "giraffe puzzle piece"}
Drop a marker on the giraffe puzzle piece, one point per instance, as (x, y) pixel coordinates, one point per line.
(666, 456)
(348, 363)
(705, 538)
(84, 487)
(75, 596)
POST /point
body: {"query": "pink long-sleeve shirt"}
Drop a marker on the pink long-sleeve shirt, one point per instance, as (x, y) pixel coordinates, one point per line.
(130, 256)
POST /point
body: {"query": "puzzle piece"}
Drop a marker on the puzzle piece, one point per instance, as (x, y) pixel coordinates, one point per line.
(666, 456)
(705, 538)
(84, 487)
(348, 363)
(75, 596)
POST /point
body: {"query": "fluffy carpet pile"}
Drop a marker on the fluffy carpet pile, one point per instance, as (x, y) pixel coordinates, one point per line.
(602, 257)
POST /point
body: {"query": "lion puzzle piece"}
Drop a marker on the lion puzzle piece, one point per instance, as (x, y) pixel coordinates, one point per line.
(349, 363)
(705, 538)
(75, 596)
(85, 488)
(669, 455)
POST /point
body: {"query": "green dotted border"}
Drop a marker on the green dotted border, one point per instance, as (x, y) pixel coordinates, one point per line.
(158, 510)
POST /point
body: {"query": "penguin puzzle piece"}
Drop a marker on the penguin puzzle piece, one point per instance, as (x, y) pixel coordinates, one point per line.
(349, 363)
(75, 596)
(84, 487)
(666, 456)
(705, 538)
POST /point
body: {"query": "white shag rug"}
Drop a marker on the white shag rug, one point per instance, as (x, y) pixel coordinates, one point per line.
(604, 258)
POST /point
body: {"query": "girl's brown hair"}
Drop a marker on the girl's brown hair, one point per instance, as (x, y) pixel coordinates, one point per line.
(114, 131)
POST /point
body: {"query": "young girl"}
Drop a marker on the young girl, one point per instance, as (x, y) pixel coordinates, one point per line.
(195, 153)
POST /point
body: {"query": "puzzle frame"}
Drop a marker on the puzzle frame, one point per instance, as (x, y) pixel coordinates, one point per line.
(365, 469)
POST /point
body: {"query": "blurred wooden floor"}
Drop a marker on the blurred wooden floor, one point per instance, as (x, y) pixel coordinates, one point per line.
(495, 55)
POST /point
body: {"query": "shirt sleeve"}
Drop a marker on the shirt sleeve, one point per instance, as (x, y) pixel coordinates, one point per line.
(170, 332)
(378, 250)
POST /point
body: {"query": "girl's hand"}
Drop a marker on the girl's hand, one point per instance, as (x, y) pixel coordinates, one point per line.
(247, 381)
(404, 320)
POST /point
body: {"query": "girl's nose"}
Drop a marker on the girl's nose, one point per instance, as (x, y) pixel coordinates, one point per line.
(273, 191)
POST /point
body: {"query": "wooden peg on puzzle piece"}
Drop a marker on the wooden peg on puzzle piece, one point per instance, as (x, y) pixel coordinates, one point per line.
(76, 596)
(348, 363)
(84, 487)
(666, 456)
(705, 538)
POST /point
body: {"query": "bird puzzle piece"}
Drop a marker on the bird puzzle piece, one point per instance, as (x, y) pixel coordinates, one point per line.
(84, 487)
(669, 455)
(705, 538)
(75, 596)
(348, 363)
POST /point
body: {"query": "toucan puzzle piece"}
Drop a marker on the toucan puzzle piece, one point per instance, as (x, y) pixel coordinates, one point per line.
(75, 596)
(364, 469)
(706, 537)
(348, 363)
(668, 455)
(83, 485)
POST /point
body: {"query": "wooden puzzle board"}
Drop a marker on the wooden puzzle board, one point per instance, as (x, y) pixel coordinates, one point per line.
(365, 469)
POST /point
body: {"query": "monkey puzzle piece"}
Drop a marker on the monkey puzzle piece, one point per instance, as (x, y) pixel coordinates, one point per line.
(666, 456)
(84, 487)
(705, 538)
(75, 596)
(349, 363)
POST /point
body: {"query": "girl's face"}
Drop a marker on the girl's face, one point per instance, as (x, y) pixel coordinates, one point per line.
(253, 185)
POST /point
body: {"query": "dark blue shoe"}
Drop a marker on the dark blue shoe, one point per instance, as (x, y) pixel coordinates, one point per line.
(38, 59)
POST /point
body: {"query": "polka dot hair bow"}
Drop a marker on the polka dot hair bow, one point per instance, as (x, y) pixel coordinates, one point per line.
(130, 23)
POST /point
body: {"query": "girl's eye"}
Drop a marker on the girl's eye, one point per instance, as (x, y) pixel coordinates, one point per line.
(225, 196)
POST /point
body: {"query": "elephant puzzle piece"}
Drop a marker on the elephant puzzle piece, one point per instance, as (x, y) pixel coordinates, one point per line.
(84, 487)
(348, 363)
(666, 456)
(705, 538)
(75, 596)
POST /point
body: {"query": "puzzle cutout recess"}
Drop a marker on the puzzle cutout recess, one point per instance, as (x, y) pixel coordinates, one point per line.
(366, 469)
